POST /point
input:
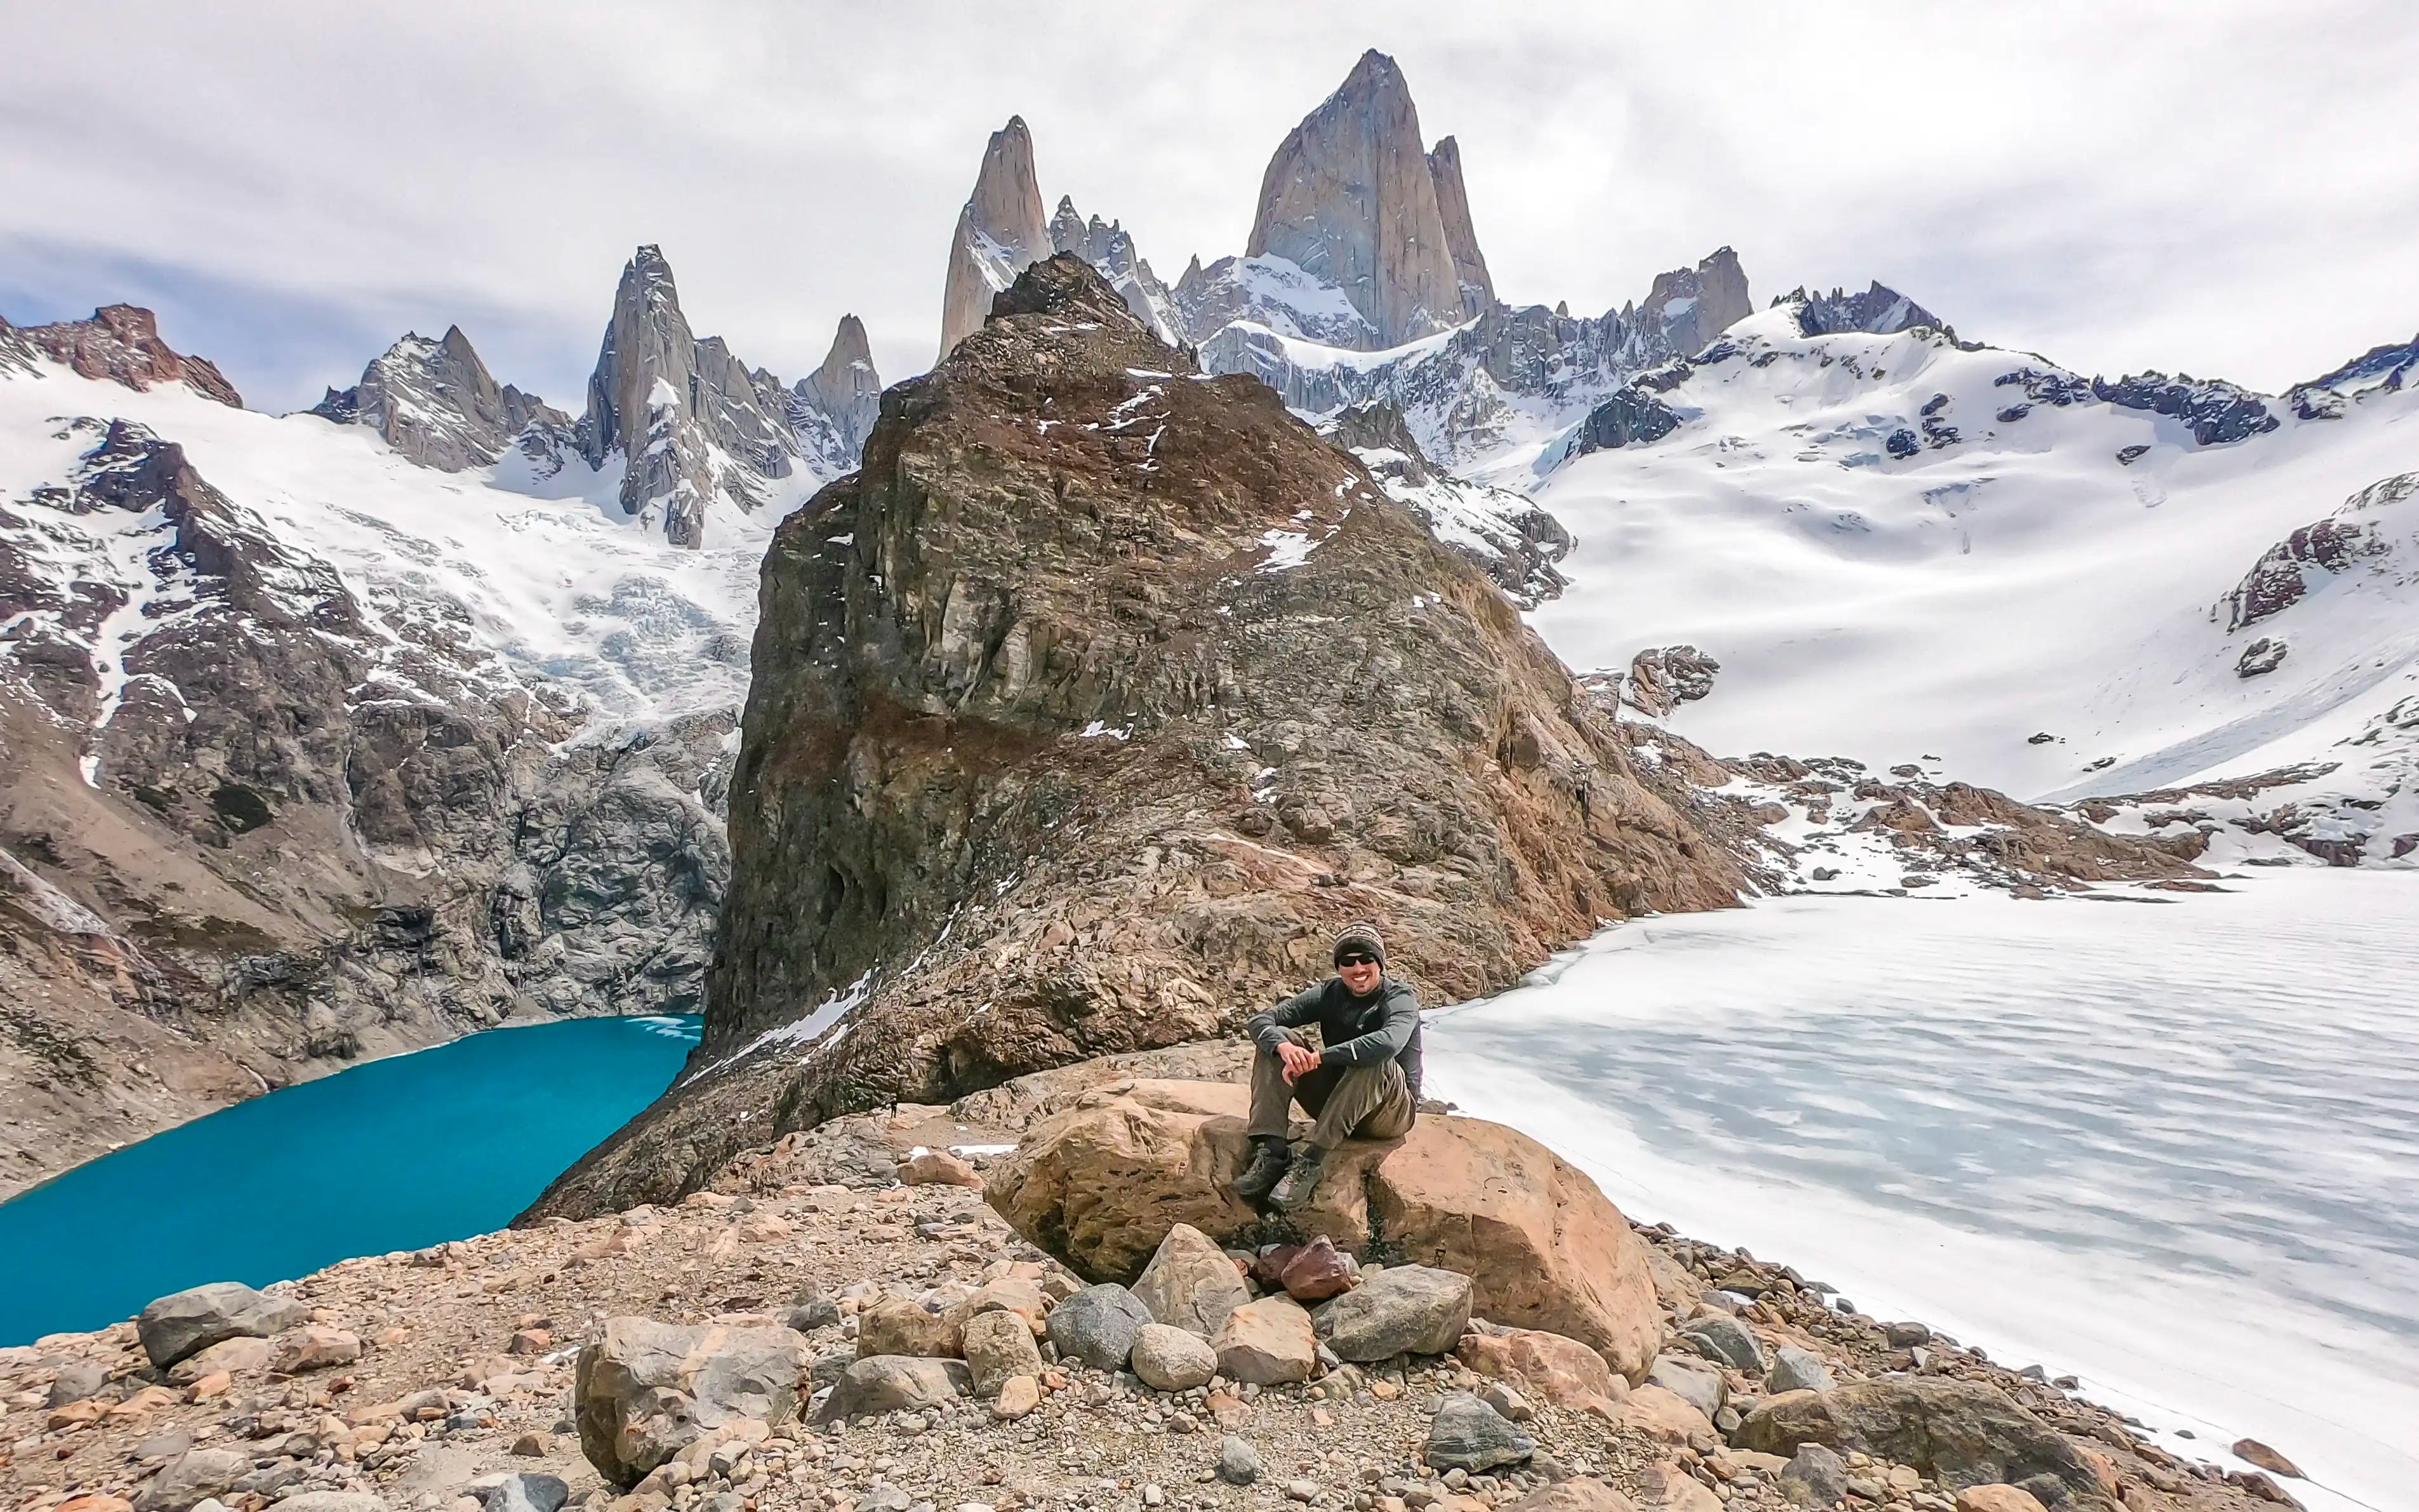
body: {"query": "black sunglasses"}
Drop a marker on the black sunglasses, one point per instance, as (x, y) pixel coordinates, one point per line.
(1356, 958)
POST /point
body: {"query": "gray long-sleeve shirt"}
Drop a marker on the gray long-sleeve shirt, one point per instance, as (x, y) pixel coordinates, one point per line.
(1355, 1031)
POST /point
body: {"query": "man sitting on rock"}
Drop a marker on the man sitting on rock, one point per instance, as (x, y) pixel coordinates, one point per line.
(1364, 1084)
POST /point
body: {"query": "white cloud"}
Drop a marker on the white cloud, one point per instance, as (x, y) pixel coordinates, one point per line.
(2219, 188)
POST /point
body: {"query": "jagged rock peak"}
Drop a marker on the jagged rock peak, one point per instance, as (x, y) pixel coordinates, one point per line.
(1690, 306)
(437, 405)
(686, 415)
(1881, 311)
(845, 388)
(1110, 249)
(1065, 284)
(1350, 198)
(121, 344)
(1000, 232)
(1460, 237)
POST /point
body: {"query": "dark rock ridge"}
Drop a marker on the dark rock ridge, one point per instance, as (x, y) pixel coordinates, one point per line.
(2212, 410)
(255, 825)
(2316, 551)
(435, 404)
(1632, 417)
(1510, 537)
(1879, 310)
(121, 344)
(1086, 710)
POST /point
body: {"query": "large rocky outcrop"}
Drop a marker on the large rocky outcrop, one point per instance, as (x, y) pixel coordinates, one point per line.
(255, 824)
(1103, 1183)
(1001, 231)
(1350, 198)
(121, 344)
(1087, 709)
(1511, 537)
(688, 419)
(436, 403)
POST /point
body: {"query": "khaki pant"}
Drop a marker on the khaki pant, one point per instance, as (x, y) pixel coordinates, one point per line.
(1344, 1101)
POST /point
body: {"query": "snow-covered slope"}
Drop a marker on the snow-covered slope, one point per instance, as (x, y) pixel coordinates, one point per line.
(1909, 550)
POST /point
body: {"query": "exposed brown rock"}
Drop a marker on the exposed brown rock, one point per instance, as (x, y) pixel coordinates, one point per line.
(121, 342)
(1088, 709)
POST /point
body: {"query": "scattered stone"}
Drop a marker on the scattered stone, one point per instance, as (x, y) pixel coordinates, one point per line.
(1173, 1359)
(532, 1446)
(1961, 1432)
(645, 1389)
(1190, 1283)
(1238, 1463)
(191, 1321)
(320, 1502)
(195, 1475)
(1096, 1325)
(1665, 1416)
(1020, 1295)
(1796, 1369)
(311, 1346)
(1906, 1335)
(1469, 1435)
(1267, 1342)
(1514, 1406)
(1722, 1338)
(1667, 1486)
(999, 1348)
(2253, 1450)
(1814, 1478)
(1997, 1498)
(1571, 1496)
(1018, 1396)
(1696, 1381)
(812, 1312)
(1404, 1310)
(895, 1383)
(937, 1167)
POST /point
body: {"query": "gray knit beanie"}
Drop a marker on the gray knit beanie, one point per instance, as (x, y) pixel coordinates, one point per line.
(1360, 935)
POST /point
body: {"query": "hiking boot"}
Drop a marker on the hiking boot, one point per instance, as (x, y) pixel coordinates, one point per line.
(1300, 1179)
(1262, 1171)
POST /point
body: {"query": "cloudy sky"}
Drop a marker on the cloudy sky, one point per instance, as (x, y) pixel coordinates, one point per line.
(2226, 189)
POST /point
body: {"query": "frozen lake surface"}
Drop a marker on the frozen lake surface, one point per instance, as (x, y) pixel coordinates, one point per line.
(2170, 1146)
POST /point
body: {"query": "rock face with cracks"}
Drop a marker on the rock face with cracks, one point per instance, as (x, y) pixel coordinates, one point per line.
(1086, 713)
(644, 1389)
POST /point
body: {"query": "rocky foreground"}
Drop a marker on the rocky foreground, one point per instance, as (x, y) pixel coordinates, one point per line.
(1072, 1314)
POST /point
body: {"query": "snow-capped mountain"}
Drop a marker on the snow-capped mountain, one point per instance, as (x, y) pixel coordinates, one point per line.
(1957, 559)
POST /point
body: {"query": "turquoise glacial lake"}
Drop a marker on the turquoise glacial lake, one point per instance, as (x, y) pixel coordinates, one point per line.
(395, 1154)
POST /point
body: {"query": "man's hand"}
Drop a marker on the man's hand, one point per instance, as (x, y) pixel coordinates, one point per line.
(1296, 1059)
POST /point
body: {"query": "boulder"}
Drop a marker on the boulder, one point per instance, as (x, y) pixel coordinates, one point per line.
(889, 1383)
(1173, 1359)
(896, 1325)
(1267, 1342)
(1238, 1463)
(1097, 1326)
(2253, 1452)
(1665, 1484)
(936, 1167)
(1814, 1478)
(1698, 1382)
(76, 1380)
(1190, 1283)
(1100, 1184)
(1996, 1498)
(1018, 1396)
(644, 1389)
(1466, 1434)
(191, 1321)
(1664, 1416)
(1961, 1432)
(528, 1493)
(1561, 1371)
(1724, 1339)
(195, 1475)
(311, 1346)
(1404, 1310)
(999, 1348)
(348, 1501)
(1571, 1496)
(1017, 1294)
(1796, 1369)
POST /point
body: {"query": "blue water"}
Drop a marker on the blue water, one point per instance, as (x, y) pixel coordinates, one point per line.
(395, 1154)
